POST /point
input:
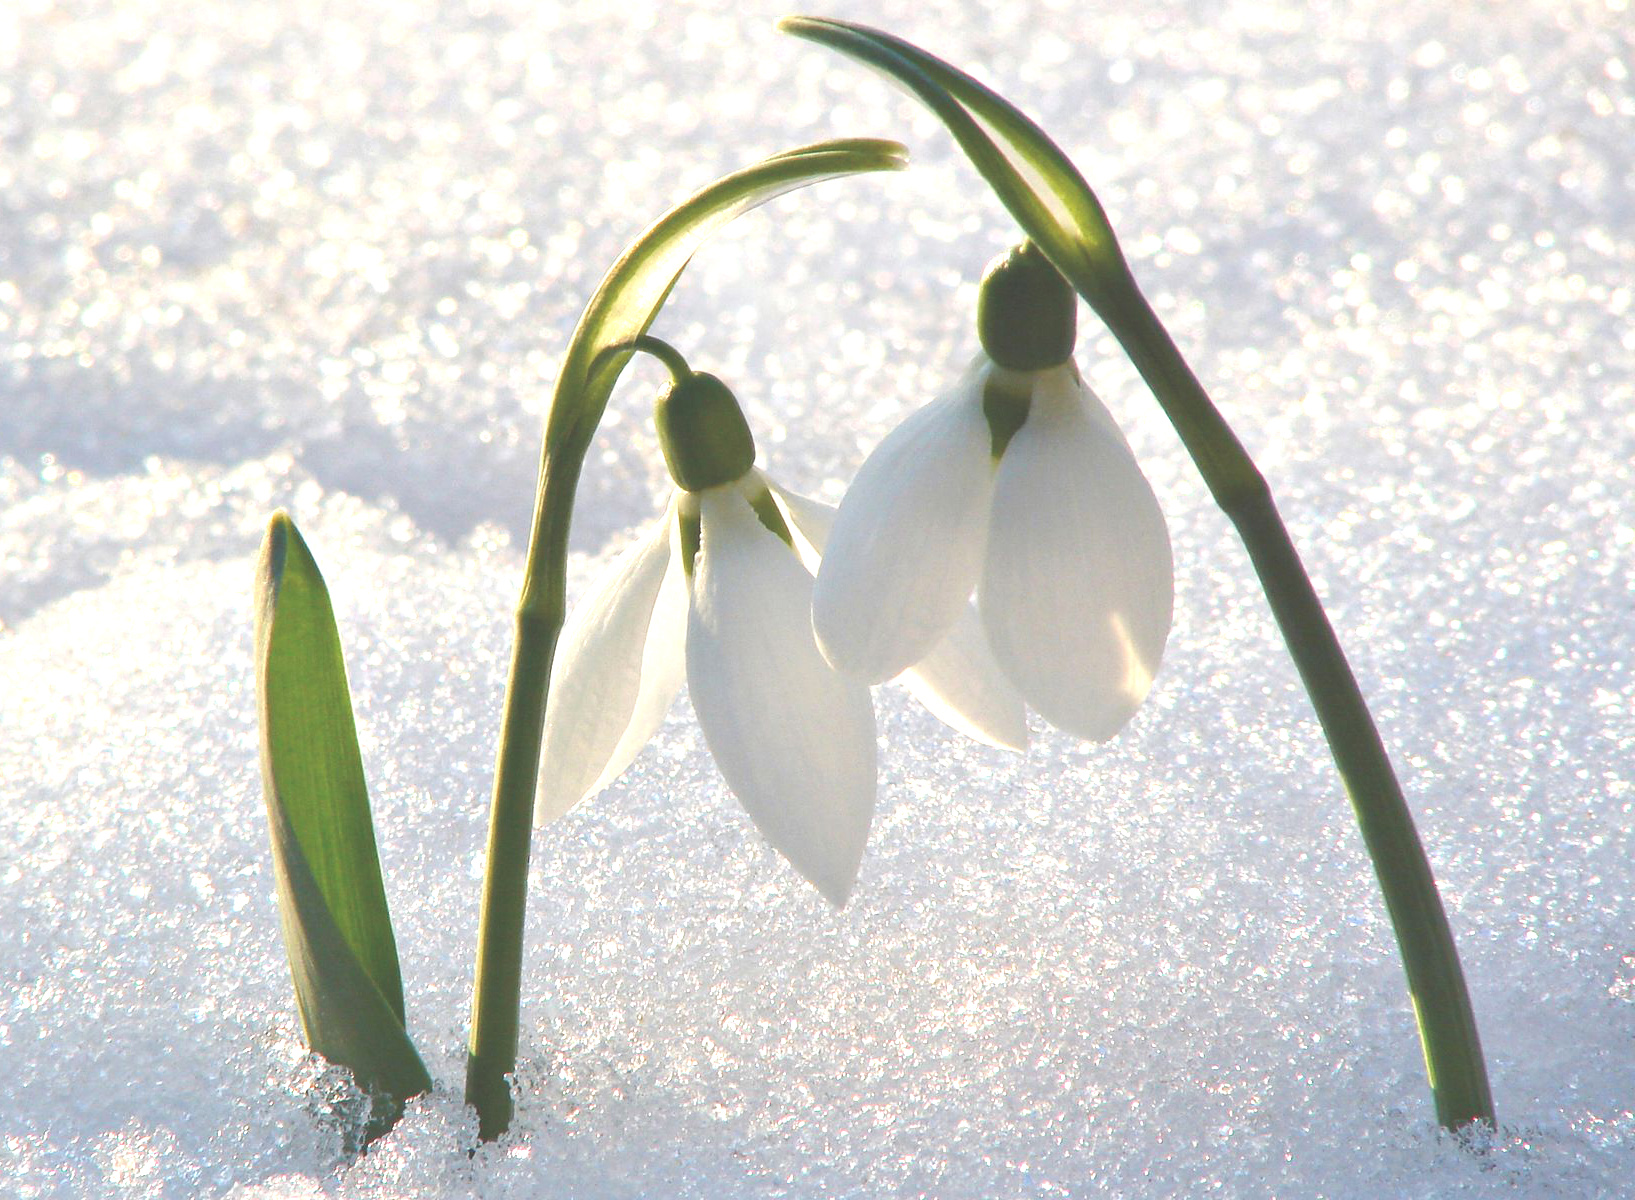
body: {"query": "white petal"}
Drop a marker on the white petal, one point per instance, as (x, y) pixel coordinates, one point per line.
(959, 681)
(906, 548)
(793, 738)
(1078, 586)
(619, 664)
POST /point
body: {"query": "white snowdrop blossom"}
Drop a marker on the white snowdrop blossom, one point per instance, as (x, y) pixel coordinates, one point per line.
(715, 594)
(1020, 486)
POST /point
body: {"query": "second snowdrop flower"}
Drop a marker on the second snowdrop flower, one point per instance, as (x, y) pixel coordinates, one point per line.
(1019, 485)
(719, 593)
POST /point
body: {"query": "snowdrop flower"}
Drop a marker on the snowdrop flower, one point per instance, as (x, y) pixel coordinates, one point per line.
(1019, 485)
(719, 593)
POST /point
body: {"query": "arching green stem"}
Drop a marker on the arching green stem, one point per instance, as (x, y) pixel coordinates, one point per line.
(624, 306)
(1061, 215)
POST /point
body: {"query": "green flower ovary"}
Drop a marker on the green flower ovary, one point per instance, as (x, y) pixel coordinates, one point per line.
(1026, 313)
(703, 434)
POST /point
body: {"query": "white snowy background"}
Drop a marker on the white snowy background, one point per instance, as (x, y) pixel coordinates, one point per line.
(327, 256)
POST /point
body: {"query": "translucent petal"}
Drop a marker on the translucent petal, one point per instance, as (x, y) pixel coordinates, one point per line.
(619, 664)
(793, 737)
(907, 542)
(959, 681)
(1078, 586)
(962, 684)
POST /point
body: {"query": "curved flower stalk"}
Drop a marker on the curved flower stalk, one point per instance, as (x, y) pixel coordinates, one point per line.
(1062, 216)
(719, 592)
(625, 304)
(1019, 484)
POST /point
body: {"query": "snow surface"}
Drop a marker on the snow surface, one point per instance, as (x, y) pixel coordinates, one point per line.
(327, 256)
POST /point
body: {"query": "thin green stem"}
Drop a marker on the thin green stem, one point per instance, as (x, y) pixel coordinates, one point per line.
(495, 1008)
(1436, 983)
(667, 354)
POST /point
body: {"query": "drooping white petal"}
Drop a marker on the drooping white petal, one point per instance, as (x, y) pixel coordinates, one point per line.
(619, 664)
(906, 548)
(959, 680)
(1078, 586)
(962, 684)
(793, 737)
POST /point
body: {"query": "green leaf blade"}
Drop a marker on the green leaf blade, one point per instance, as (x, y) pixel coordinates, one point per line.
(331, 898)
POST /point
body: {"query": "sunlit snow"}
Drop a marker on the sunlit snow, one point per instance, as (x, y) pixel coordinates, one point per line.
(327, 257)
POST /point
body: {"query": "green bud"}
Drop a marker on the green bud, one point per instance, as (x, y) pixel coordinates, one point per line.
(1026, 313)
(703, 434)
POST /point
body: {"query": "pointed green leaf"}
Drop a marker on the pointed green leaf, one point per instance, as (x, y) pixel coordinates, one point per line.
(331, 901)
